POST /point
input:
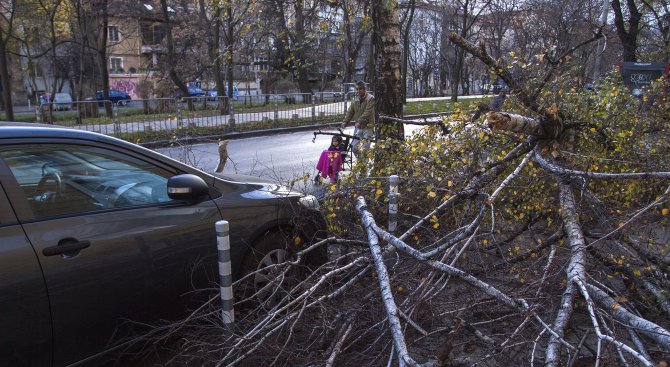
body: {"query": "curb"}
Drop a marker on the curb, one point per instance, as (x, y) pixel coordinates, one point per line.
(235, 135)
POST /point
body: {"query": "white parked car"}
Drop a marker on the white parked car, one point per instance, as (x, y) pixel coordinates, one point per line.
(63, 101)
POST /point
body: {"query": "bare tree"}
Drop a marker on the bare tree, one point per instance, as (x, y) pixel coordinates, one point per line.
(102, 35)
(660, 35)
(170, 53)
(7, 14)
(357, 25)
(467, 13)
(627, 35)
(406, 26)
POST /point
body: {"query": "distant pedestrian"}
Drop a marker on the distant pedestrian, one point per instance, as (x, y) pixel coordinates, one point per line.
(362, 112)
(498, 101)
(223, 155)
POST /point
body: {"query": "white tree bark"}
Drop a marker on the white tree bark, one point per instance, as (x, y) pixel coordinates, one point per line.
(515, 123)
(392, 312)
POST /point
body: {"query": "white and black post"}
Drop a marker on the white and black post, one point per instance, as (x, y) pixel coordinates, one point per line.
(225, 272)
(393, 203)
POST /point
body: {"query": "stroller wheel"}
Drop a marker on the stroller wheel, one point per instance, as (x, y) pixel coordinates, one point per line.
(317, 179)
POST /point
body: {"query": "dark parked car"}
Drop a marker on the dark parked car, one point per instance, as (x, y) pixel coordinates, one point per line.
(100, 237)
(115, 96)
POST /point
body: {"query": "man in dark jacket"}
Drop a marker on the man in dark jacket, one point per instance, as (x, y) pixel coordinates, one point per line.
(498, 101)
(362, 112)
(496, 105)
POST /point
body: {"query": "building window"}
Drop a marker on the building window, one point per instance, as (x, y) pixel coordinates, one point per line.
(116, 65)
(113, 33)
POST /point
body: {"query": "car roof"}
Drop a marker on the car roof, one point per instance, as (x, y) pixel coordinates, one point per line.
(11, 129)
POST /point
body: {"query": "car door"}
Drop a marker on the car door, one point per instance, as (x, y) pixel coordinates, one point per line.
(25, 321)
(115, 251)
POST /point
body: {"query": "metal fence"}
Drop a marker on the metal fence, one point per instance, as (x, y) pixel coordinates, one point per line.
(159, 118)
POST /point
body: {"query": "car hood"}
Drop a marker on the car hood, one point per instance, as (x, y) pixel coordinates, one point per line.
(258, 183)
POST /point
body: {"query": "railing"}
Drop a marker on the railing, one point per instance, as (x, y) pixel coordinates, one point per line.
(160, 118)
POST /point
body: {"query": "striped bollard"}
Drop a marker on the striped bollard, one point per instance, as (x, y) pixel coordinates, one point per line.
(393, 203)
(225, 272)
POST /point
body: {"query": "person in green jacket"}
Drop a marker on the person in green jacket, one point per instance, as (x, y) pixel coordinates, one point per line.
(362, 112)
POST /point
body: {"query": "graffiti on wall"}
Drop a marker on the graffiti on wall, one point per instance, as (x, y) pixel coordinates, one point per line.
(127, 86)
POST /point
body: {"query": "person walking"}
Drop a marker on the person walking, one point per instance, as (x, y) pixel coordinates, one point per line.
(362, 112)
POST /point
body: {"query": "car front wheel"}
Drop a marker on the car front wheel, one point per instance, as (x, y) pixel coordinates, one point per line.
(270, 279)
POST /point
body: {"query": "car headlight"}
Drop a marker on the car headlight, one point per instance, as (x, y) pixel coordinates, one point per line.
(309, 202)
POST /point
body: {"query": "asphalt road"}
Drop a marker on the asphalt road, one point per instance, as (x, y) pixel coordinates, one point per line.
(284, 158)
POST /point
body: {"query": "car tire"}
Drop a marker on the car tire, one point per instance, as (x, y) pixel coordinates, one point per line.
(269, 284)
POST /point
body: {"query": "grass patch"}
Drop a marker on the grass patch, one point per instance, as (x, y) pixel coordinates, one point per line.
(423, 107)
(20, 118)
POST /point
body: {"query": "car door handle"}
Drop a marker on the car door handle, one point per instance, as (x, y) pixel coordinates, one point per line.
(65, 247)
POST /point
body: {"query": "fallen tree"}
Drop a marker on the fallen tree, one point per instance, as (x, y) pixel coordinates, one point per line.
(538, 237)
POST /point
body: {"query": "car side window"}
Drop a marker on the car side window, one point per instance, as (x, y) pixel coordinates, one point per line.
(71, 179)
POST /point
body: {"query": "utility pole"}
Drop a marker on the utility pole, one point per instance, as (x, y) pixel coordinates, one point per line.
(601, 44)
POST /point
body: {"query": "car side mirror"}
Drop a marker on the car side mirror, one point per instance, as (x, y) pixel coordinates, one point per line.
(186, 187)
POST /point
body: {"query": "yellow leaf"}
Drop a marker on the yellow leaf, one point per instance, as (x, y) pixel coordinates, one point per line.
(637, 272)
(449, 183)
(436, 225)
(665, 211)
(432, 194)
(615, 306)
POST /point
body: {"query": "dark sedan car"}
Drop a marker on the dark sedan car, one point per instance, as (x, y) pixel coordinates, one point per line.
(100, 237)
(115, 96)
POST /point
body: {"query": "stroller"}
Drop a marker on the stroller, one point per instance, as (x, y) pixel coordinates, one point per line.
(330, 164)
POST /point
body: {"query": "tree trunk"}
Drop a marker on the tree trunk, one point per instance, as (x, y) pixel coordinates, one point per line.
(628, 37)
(443, 62)
(388, 86)
(460, 56)
(352, 43)
(5, 79)
(102, 56)
(405, 54)
(172, 72)
(299, 48)
(230, 49)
